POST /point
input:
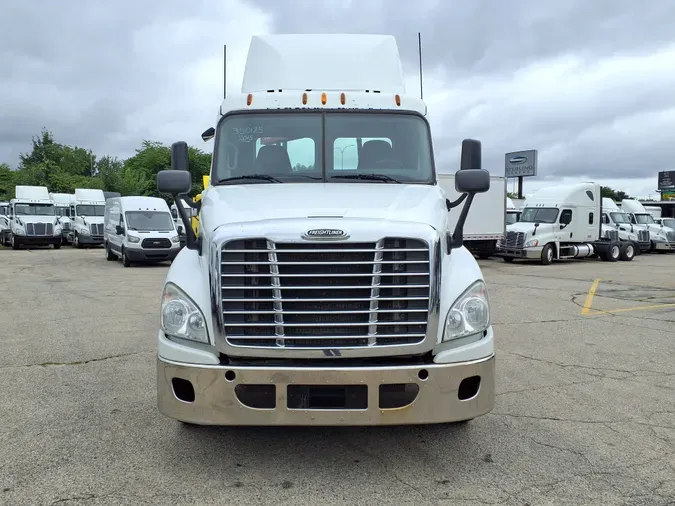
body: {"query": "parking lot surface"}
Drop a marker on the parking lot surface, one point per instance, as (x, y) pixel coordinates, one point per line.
(585, 409)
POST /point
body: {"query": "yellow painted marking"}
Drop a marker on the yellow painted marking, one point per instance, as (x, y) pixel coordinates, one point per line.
(626, 309)
(589, 296)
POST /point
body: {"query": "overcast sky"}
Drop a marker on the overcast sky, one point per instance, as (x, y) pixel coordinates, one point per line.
(587, 83)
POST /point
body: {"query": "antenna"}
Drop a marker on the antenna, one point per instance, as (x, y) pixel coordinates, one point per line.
(419, 49)
(224, 72)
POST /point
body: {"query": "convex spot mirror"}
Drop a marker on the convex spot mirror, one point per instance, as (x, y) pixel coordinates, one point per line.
(174, 182)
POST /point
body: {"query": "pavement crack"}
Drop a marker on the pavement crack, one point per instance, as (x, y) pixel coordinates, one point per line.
(76, 362)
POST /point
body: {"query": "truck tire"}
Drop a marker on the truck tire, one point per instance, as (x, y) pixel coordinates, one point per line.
(508, 260)
(109, 256)
(14, 242)
(547, 254)
(613, 252)
(57, 246)
(125, 259)
(627, 251)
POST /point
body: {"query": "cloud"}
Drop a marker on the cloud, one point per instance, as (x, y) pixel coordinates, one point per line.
(588, 84)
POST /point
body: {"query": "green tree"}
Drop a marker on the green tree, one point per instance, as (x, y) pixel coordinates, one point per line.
(6, 182)
(615, 195)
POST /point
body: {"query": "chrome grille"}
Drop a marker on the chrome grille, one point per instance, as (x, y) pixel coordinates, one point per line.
(39, 229)
(643, 235)
(66, 226)
(670, 236)
(96, 228)
(514, 240)
(316, 295)
(612, 235)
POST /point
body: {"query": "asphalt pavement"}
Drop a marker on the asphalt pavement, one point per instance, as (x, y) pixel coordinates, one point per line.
(585, 410)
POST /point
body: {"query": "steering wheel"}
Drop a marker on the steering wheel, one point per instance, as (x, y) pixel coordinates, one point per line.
(394, 162)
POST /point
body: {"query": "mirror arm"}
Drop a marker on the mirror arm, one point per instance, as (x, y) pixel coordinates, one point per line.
(452, 205)
(457, 238)
(193, 242)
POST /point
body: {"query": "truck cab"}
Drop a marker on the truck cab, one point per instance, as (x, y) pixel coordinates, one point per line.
(86, 215)
(614, 217)
(32, 219)
(661, 238)
(319, 292)
(62, 203)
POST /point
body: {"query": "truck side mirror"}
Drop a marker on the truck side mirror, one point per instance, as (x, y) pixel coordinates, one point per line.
(179, 156)
(472, 181)
(119, 229)
(174, 182)
(208, 134)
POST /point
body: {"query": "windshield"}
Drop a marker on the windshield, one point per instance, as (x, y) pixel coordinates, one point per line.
(4, 210)
(62, 211)
(644, 219)
(511, 218)
(149, 221)
(668, 222)
(90, 210)
(539, 214)
(34, 209)
(619, 218)
(317, 147)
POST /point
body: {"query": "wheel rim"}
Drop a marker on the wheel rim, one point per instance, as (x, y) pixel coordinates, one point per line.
(615, 251)
(630, 251)
(549, 254)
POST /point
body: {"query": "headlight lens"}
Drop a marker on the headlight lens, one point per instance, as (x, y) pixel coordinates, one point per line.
(175, 239)
(19, 231)
(83, 231)
(532, 243)
(133, 239)
(181, 317)
(469, 315)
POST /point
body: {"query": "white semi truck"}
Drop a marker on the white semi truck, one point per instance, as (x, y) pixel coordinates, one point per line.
(5, 228)
(62, 202)
(314, 294)
(87, 212)
(563, 222)
(662, 238)
(613, 216)
(32, 219)
(486, 223)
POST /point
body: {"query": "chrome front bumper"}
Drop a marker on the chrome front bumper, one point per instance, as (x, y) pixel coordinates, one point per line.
(528, 253)
(216, 398)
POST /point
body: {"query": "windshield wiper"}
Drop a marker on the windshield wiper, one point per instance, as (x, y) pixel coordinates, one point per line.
(369, 177)
(259, 177)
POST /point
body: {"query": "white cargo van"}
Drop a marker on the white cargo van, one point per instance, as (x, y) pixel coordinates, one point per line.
(32, 219)
(86, 216)
(316, 293)
(564, 222)
(139, 229)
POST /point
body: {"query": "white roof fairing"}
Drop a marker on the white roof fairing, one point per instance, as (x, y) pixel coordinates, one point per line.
(338, 62)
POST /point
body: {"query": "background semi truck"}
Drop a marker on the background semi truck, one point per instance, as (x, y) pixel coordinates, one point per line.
(87, 213)
(33, 221)
(321, 295)
(486, 223)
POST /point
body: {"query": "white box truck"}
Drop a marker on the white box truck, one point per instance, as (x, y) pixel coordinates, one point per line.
(314, 293)
(32, 219)
(486, 223)
(563, 222)
(86, 217)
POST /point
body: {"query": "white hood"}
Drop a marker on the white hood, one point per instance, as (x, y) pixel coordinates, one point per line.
(378, 201)
(528, 228)
(35, 219)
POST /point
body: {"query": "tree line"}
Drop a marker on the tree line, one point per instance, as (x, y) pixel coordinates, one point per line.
(62, 168)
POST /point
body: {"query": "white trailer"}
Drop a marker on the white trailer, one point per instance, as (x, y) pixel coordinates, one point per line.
(564, 222)
(486, 223)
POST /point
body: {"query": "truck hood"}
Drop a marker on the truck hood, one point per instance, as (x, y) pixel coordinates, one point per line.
(656, 229)
(528, 228)
(36, 219)
(378, 201)
(92, 219)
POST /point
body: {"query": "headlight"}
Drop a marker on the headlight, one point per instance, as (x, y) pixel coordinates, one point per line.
(83, 231)
(175, 239)
(531, 243)
(19, 231)
(632, 237)
(469, 315)
(133, 239)
(181, 317)
(57, 230)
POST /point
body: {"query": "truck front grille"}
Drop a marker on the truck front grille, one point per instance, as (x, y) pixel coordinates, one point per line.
(156, 243)
(670, 236)
(66, 226)
(514, 240)
(96, 229)
(643, 235)
(317, 295)
(39, 229)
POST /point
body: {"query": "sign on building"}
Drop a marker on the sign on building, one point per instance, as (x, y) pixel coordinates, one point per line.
(666, 179)
(521, 163)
